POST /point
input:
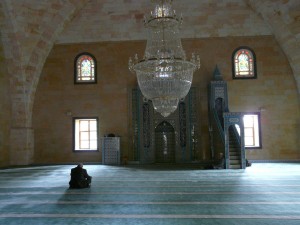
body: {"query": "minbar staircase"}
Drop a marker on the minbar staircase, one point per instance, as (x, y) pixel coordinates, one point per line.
(224, 136)
(234, 151)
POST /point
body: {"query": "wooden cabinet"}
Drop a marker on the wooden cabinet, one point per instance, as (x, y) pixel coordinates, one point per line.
(110, 150)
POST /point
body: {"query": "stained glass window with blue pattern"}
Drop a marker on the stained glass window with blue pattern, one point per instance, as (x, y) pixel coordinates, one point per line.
(85, 68)
(244, 63)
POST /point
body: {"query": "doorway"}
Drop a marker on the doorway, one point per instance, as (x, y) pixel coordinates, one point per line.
(164, 143)
(219, 106)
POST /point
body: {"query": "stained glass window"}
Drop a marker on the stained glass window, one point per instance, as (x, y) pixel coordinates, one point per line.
(85, 68)
(244, 63)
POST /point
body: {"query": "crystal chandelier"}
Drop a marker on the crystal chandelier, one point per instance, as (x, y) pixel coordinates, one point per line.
(164, 74)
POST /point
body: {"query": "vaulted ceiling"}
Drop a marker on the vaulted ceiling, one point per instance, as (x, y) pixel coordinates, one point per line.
(123, 20)
(30, 28)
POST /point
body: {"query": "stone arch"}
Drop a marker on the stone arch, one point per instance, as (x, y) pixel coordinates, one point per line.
(283, 26)
(25, 58)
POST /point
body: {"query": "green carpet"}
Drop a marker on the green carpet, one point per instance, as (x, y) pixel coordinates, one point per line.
(152, 195)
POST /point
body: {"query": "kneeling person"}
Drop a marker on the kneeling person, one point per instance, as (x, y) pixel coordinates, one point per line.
(80, 177)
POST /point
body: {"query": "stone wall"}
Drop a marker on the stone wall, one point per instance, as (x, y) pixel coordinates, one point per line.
(57, 99)
(5, 112)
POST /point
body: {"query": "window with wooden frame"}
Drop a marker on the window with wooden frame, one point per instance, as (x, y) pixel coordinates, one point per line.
(252, 130)
(85, 67)
(85, 135)
(244, 64)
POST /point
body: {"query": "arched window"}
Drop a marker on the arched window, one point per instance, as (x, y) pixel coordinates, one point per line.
(85, 66)
(243, 64)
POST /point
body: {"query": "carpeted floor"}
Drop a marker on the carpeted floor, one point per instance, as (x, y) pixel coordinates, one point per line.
(152, 195)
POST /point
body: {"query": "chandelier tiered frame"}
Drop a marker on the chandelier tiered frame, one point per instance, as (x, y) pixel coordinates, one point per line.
(164, 74)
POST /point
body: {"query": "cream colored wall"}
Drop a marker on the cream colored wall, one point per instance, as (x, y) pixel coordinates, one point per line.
(275, 90)
(5, 113)
(57, 94)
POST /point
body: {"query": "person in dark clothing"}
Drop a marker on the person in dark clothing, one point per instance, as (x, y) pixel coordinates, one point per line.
(219, 162)
(80, 177)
